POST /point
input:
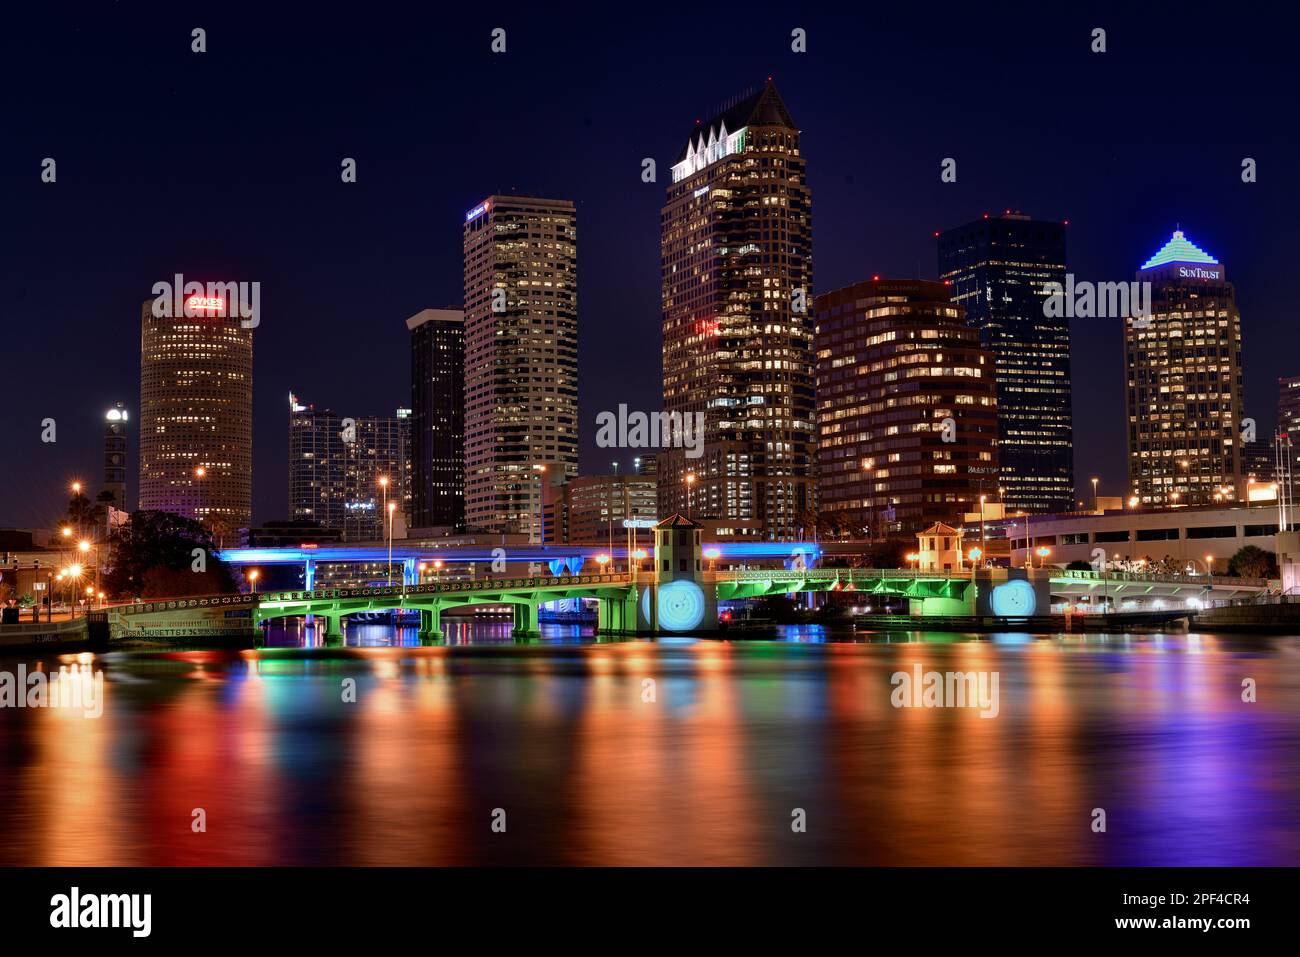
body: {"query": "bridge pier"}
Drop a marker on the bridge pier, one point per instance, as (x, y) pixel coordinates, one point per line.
(431, 623)
(617, 616)
(525, 621)
(333, 627)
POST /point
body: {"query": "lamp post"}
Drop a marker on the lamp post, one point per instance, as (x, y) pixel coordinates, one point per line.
(975, 554)
(1094, 494)
(199, 473)
(76, 492)
(638, 555)
(690, 482)
(392, 507)
(252, 580)
(913, 558)
(1043, 552)
(540, 469)
(712, 554)
(983, 543)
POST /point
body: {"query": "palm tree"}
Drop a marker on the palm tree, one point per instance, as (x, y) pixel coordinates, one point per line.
(1251, 561)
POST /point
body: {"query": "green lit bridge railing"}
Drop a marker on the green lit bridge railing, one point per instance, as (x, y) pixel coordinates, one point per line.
(904, 582)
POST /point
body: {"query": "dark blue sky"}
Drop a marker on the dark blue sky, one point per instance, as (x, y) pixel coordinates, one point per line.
(225, 166)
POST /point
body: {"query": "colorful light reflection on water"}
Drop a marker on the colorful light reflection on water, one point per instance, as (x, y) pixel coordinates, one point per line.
(559, 733)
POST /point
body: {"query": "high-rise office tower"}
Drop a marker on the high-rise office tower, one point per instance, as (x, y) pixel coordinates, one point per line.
(906, 407)
(997, 269)
(437, 477)
(115, 422)
(736, 263)
(344, 470)
(1287, 441)
(1185, 397)
(196, 418)
(1288, 406)
(521, 358)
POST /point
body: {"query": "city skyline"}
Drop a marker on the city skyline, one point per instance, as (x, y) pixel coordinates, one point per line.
(1109, 237)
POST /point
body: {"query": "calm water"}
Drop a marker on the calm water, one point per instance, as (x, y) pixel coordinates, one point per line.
(556, 733)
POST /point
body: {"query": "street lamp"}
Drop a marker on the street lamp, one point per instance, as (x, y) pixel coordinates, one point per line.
(1094, 491)
(540, 469)
(392, 507)
(690, 482)
(437, 569)
(1043, 552)
(253, 576)
(712, 554)
(974, 555)
(913, 558)
(983, 543)
(602, 560)
(639, 555)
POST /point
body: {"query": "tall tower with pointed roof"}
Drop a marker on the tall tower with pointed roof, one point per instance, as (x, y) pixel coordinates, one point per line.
(1185, 392)
(736, 259)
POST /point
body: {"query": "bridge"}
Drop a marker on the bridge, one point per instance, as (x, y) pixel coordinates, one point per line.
(677, 594)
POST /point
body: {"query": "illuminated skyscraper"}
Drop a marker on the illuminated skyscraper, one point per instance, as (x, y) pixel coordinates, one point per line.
(115, 422)
(437, 418)
(1185, 395)
(1287, 441)
(736, 262)
(521, 357)
(342, 470)
(906, 407)
(196, 412)
(996, 269)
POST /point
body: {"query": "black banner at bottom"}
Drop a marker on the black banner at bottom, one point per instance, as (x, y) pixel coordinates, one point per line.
(331, 906)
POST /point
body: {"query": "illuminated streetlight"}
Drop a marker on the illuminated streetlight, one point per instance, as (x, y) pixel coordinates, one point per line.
(712, 554)
(540, 469)
(392, 507)
(974, 555)
(690, 483)
(253, 576)
(1043, 552)
(602, 560)
(913, 558)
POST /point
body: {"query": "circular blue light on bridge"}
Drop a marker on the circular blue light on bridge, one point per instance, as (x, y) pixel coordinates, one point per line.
(1014, 599)
(681, 606)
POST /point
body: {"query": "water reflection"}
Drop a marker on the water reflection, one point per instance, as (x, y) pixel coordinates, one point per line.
(679, 751)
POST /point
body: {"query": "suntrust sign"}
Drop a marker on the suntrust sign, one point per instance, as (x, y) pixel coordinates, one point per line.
(1200, 272)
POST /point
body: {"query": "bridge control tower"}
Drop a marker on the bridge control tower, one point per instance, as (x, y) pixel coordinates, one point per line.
(680, 596)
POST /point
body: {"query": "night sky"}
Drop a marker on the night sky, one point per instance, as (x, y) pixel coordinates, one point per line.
(225, 166)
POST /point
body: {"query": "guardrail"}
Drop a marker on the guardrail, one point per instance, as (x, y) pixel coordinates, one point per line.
(1162, 578)
(383, 591)
(831, 574)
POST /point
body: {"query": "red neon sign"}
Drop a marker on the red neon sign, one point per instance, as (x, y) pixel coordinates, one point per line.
(206, 302)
